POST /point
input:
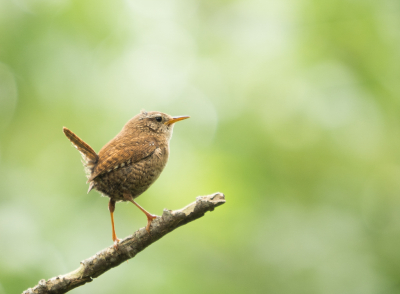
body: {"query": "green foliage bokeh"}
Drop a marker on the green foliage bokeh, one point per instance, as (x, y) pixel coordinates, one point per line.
(294, 111)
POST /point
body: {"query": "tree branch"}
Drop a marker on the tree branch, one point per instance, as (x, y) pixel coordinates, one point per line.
(130, 246)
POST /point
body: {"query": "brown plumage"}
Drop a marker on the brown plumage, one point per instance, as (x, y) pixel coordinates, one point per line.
(127, 165)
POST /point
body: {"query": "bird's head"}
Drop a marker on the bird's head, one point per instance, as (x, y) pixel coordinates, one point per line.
(154, 122)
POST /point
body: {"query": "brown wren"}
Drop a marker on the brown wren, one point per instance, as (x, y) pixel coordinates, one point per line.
(127, 165)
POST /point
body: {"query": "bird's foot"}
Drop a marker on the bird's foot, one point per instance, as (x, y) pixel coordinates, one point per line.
(116, 241)
(150, 218)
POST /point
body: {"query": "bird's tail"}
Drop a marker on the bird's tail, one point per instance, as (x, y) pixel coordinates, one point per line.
(89, 156)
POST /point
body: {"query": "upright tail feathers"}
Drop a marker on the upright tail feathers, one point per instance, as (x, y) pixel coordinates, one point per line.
(89, 156)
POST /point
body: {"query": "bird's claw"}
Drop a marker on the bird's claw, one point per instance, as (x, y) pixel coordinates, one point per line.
(150, 218)
(116, 241)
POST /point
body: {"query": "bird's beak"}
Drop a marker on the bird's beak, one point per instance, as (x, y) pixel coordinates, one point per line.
(175, 119)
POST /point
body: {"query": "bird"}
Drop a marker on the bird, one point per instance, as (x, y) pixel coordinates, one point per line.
(130, 163)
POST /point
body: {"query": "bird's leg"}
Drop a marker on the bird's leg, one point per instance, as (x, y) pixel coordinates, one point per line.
(111, 208)
(149, 216)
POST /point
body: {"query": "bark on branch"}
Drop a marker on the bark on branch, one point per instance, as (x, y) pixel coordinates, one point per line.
(130, 246)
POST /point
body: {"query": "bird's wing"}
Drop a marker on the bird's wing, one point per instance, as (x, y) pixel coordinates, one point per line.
(119, 151)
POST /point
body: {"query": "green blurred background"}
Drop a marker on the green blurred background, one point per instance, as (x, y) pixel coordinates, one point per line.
(294, 109)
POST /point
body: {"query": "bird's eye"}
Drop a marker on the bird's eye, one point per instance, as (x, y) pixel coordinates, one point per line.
(158, 118)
